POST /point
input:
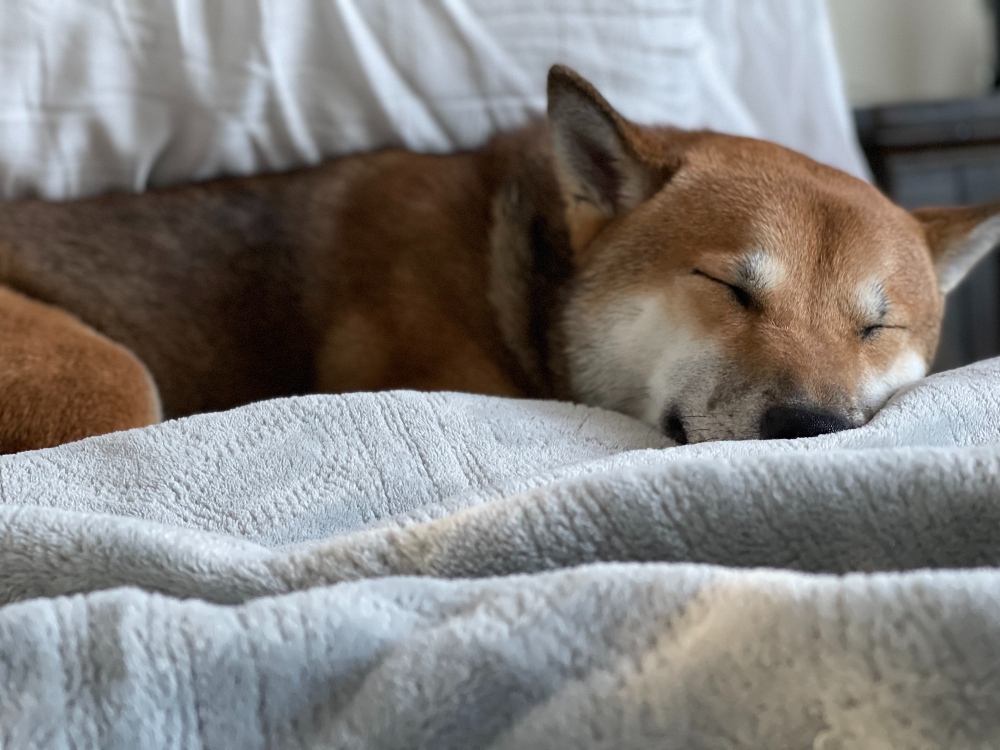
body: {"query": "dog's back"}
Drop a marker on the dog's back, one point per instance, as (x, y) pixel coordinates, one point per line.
(363, 273)
(204, 283)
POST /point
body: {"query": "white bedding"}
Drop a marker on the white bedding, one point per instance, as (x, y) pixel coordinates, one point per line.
(102, 94)
(401, 570)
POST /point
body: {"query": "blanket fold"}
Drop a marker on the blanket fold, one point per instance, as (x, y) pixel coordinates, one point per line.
(288, 575)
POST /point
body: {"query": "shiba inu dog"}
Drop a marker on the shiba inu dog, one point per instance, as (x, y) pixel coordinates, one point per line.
(714, 286)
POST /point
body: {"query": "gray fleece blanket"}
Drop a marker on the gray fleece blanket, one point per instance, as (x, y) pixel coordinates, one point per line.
(447, 571)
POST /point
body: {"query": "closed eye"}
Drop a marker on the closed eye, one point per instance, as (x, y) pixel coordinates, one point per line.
(743, 298)
(870, 332)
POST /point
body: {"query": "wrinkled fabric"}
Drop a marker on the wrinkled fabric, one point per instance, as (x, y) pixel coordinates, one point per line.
(131, 94)
(444, 570)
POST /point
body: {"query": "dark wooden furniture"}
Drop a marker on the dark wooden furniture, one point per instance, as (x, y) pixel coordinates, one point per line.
(938, 154)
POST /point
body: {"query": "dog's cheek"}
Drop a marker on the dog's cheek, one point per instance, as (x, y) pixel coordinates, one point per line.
(630, 356)
(879, 387)
(684, 374)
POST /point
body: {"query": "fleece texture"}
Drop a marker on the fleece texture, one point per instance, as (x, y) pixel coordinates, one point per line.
(411, 570)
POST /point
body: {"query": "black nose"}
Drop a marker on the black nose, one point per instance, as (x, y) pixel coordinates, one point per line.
(789, 422)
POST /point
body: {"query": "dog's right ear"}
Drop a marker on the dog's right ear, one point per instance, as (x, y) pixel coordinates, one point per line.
(600, 169)
(959, 238)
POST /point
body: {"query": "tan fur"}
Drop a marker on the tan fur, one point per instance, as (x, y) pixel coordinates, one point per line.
(557, 261)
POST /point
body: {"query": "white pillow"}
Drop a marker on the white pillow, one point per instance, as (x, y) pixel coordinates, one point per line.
(101, 94)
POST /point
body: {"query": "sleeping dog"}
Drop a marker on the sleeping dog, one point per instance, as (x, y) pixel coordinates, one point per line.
(716, 287)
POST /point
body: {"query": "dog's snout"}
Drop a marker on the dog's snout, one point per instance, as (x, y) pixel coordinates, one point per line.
(789, 422)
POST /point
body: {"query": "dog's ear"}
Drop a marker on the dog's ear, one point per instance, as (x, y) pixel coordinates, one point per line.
(598, 158)
(959, 238)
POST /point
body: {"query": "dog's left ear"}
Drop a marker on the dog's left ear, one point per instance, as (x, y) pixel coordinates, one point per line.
(598, 158)
(959, 238)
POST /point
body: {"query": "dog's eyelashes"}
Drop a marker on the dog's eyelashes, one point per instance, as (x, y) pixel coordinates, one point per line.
(870, 332)
(743, 298)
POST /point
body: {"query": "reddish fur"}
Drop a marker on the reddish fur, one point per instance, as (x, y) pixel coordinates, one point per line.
(706, 217)
(398, 270)
(61, 381)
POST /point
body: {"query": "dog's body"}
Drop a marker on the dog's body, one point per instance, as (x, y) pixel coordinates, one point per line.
(365, 273)
(715, 286)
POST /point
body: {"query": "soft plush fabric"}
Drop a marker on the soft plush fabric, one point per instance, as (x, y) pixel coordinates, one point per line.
(445, 571)
(127, 94)
(281, 536)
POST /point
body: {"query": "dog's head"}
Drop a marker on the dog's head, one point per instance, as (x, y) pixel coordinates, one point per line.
(731, 288)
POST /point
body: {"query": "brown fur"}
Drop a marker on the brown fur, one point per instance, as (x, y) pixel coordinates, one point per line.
(399, 270)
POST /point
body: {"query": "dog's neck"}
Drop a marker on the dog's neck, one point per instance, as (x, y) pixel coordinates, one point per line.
(530, 260)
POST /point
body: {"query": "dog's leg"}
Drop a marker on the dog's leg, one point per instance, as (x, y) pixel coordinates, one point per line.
(62, 381)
